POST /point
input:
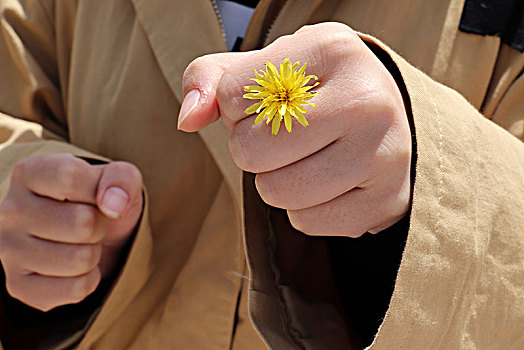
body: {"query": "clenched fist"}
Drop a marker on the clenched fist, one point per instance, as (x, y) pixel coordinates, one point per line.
(345, 174)
(63, 223)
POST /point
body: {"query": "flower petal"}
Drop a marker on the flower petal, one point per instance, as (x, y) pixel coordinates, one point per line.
(271, 69)
(253, 108)
(255, 96)
(258, 75)
(302, 70)
(254, 88)
(299, 116)
(276, 124)
(260, 117)
(301, 109)
(287, 121)
(302, 120)
(282, 109)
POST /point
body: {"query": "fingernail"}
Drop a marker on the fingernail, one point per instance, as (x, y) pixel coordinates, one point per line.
(114, 202)
(189, 103)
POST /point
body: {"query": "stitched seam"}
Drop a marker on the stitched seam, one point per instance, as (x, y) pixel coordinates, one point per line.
(477, 191)
(438, 342)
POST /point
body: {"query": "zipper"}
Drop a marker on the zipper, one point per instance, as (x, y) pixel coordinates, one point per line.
(219, 17)
(221, 21)
(270, 28)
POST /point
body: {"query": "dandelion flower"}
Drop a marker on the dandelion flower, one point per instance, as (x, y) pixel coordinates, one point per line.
(283, 94)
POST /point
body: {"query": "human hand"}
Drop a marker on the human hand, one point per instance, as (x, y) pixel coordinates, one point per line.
(348, 172)
(63, 223)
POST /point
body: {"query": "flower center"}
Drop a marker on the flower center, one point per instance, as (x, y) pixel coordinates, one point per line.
(282, 96)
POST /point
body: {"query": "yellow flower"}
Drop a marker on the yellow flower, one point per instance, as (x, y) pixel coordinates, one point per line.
(283, 94)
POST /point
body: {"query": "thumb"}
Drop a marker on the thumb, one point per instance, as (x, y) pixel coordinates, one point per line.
(200, 81)
(119, 189)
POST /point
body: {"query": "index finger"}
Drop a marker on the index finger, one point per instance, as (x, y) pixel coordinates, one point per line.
(58, 176)
(347, 96)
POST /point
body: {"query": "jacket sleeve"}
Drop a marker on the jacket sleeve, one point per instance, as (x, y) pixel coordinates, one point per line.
(459, 283)
(33, 120)
(460, 278)
(32, 83)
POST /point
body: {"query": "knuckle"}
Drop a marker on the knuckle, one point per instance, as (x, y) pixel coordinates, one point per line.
(380, 115)
(84, 222)
(193, 71)
(269, 190)
(19, 170)
(229, 94)
(23, 288)
(392, 154)
(394, 147)
(325, 26)
(10, 212)
(86, 258)
(336, 46)
(9, 250)
(319, 220)
(19, 288)
(386, 110)
(227, 88)
(339, 27)
(14, 287)
(245, 149)
(301, 220)
(82, 286)
(70, 174)
(196, 65)
(241, 150)
(44, 303)
(397, 201)
(305, 29)
(4, 247)
(128, 171)
(374, 212)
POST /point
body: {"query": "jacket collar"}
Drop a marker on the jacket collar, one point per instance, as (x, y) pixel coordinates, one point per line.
(179, 32)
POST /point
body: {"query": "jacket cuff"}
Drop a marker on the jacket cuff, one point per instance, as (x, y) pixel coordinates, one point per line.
(463, 228)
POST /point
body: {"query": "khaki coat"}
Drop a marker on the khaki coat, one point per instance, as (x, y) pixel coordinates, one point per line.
(102, 79)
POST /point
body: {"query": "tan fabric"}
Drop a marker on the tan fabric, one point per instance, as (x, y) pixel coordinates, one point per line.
(104, 78)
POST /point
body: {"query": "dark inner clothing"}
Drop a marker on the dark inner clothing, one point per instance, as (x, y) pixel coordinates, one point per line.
(365, 270)
(502, 18)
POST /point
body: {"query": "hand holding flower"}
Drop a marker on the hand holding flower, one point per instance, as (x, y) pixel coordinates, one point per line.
(348, 172)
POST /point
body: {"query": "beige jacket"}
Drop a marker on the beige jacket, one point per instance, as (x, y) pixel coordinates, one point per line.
(103, 79)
